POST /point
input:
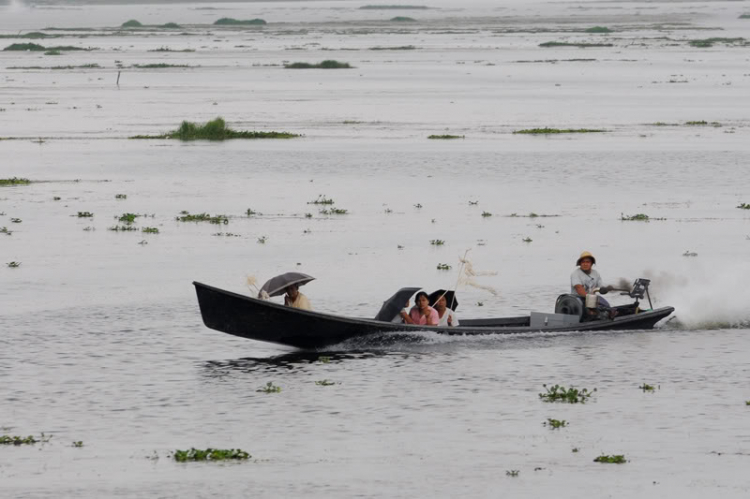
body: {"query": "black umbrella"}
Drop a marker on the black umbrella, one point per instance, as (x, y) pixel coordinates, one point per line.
(393, 305)
(450, 298)
(277, 285)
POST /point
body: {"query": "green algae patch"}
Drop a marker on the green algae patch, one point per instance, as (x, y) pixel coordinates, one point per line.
(193, 455)
(327, 64)
(228, 21)
(214, 130)
(549, 131)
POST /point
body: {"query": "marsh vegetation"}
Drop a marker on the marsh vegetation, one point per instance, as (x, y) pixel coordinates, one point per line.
(215, 129)
(14, 181)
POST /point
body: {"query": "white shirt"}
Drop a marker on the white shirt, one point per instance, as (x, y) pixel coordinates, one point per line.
(589, 281)
(443, 321)
(398, 319)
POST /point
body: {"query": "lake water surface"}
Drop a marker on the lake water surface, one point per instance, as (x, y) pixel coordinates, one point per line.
(102, 340)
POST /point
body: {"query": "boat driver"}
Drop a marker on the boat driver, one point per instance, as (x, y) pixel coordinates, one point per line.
(585, 280)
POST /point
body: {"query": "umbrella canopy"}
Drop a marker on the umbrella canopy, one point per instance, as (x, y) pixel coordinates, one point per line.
(450, 298)
(277, 285)
(393, 305)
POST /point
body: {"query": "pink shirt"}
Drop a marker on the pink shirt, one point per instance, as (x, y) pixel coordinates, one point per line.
(422, 319)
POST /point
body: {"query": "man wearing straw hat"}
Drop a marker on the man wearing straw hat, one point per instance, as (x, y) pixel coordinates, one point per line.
(585, 280)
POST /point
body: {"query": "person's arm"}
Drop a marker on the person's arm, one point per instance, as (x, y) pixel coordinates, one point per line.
(577, 284)
(580, 290)
(453, 320)
(432, 318)
(407, 317)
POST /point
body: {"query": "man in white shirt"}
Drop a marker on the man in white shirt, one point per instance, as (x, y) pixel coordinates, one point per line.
(584, 279)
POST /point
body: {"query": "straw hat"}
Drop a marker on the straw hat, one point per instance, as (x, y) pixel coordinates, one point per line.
(585, 254)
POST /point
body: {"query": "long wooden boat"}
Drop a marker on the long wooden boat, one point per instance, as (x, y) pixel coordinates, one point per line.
(263, 320)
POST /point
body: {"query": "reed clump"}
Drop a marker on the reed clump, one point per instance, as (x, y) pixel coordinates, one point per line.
(214, 130)
(327, 64)
(193, 454)
(228, 21)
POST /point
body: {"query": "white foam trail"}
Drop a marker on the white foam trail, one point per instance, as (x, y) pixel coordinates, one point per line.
(705, 297)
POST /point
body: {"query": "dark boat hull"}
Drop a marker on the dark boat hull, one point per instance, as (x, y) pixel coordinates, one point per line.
(261, 320)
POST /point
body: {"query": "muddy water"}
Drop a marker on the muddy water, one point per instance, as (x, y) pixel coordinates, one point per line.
(102, 341)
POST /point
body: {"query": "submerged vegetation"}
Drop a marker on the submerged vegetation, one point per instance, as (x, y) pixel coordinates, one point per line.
(193, 454)
(614, 459)
(548, 131)
(228, 21)
(327, 64)
(215, 129)
(559, 393)
(14, 181)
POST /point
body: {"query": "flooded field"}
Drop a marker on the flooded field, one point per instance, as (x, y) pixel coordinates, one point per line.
(102, 342)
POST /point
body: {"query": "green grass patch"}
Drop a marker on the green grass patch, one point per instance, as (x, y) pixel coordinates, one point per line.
(121, 196)
(709, 42)
(193, 454)
(512, 473)
(446, 137)
(32, 35)
(486, 214)
(614, 459)
(327, 64)
(575, 44)
(549, 131)
(697, 123)
(559, 393)
(228, 21)
(14, 181)
(13, 265)
(394, 7)
(214, 130)
(437, 242)
(598, 29)
(202, 217)
(403, 19)
(402, 47)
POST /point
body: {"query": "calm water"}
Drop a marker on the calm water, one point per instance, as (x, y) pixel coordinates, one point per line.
(102, 340)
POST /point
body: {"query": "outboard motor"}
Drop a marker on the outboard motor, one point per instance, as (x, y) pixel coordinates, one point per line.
(569, 305)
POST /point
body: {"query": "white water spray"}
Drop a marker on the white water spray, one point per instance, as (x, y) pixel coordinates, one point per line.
(705, 297)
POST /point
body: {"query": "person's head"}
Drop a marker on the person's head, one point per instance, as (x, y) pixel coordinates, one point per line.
(586, 261)
(422, 300)
(292, 291)
(441, 304)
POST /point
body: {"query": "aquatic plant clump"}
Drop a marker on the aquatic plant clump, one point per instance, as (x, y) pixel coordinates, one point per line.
(16, 440)
(446, 137)
(443, 266)
(202, 217)
(579, 45)
(639, 217)
(598, 29)
(647, 388)
(269, 388)
(709, 42)
(559, 393)
(394, 7)
(325, 382)
(193, 454)
(327, 64)
(228, 21)
(14, 181)
(614, 459)
(555, 423)
(744, 206)
(214, 130)
(35, 47)
(131, 24)
(403, 19)
(548, 131)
